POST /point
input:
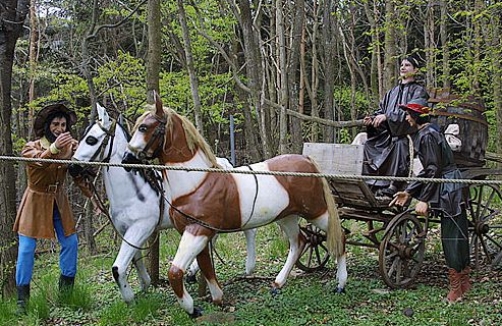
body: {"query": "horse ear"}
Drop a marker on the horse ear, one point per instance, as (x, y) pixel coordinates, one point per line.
(159, 107)
(103, 116)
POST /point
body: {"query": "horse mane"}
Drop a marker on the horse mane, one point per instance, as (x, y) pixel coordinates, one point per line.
(125, 129)
(193, 136)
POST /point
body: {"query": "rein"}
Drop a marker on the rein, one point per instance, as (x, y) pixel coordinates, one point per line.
(255, 195)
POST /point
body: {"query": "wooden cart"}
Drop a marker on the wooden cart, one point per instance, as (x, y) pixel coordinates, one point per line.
(400, 236)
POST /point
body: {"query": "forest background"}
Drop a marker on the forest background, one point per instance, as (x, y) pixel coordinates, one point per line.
(288, 72)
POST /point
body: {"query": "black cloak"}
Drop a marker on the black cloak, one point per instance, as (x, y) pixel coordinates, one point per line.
(436, 157)
(386, 151)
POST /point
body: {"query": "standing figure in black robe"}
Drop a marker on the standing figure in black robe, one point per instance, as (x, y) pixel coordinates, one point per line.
(386, 151)
(436, 157)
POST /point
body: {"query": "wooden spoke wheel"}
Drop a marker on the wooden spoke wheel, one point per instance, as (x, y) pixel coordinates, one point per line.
(315, 255)
(485, 224)
(402, 250)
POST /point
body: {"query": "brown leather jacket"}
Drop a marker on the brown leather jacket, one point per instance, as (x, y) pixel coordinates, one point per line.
(46, 185)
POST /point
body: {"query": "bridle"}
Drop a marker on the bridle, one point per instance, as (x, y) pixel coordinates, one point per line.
(99, 155)
(157, 136)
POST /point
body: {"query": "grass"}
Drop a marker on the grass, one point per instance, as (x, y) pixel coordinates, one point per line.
(306, 299)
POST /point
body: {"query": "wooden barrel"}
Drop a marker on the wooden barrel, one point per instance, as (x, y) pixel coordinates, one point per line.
(468, 114)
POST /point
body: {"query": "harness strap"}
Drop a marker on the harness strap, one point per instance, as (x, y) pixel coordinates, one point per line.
(255, 195)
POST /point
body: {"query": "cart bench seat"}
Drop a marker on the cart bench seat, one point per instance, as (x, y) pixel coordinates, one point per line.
(345, 159)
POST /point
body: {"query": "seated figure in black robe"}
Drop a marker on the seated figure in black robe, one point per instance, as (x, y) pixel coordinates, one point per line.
(386, 151)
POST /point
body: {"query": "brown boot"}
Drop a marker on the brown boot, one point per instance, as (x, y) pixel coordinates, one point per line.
(455, 293)
(465, 282)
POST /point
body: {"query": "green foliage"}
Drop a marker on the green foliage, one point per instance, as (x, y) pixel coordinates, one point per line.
(344, 99)
(217, 96)
(7, 312)
(492, 128)
(123, 80)
(205, 17)
(344, 136)
(17, 143)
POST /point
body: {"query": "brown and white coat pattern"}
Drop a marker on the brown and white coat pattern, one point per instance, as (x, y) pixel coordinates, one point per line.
(206, 202)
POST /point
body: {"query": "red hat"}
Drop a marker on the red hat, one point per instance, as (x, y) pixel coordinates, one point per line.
(416, 105)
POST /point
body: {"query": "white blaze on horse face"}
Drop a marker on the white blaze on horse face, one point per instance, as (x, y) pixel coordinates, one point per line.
(89, 144)
(137, 142)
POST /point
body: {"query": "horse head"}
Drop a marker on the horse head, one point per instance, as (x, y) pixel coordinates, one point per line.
(95, 144)
(168, 136)
(148, 138)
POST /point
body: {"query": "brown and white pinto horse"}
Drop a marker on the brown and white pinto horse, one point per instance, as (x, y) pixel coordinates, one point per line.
(204, 202)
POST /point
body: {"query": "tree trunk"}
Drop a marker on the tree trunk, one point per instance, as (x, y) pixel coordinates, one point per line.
(154, 49)
(390, 47)
(430, 57)
(12, 17)
(86, 71)
(282, 76)
(194, 82)
(376, 84)
(152, 82)
(34, 31)
(328, 41)
(253, 69)
(347, 39)
(312, 85)
(293, 75)
(477, 38)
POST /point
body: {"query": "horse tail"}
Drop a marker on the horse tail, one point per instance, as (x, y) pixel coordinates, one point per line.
(335, 235)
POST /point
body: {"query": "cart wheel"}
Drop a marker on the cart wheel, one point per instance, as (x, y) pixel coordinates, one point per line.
(485, 224)
(315, 254)
(402, 251)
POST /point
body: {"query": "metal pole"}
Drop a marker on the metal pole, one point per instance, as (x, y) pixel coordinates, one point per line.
(232, 141)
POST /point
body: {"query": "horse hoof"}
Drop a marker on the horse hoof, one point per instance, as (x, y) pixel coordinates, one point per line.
(191, 279)
(197, 312)
(339, 290)
(275, 291)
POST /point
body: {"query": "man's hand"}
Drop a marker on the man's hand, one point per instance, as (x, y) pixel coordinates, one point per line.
(400, 198)
(63, 140)
(378, 120)
(367, 120)
(422, 208)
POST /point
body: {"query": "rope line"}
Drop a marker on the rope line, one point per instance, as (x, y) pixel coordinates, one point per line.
(279, 173)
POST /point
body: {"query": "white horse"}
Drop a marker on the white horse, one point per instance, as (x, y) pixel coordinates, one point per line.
(134, 202)
(208, 202)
